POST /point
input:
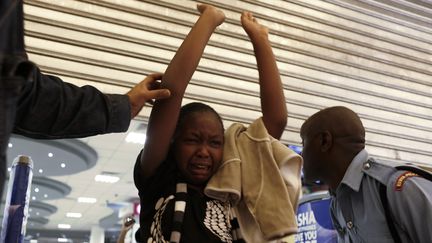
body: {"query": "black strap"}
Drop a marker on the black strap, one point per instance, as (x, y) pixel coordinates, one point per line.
(422, 173)
(389, 219)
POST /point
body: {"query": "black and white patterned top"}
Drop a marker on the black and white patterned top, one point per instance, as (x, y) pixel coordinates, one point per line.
(204, 219)
(217, 219)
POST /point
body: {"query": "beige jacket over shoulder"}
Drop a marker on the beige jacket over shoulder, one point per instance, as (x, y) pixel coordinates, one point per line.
(260, 177)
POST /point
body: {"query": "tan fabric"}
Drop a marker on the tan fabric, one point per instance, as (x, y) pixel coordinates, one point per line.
(261, 177)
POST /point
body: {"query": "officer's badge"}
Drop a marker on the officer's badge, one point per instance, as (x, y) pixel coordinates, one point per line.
(402, 178)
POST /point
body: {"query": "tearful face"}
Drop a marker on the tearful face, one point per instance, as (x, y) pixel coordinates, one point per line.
(198, 147)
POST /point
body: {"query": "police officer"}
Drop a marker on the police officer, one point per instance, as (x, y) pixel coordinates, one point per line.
(334, 152)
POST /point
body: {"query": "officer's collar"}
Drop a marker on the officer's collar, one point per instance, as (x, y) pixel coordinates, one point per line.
(354, 174)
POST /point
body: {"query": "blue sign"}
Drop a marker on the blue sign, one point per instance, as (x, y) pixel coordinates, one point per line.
(295, 148)
(314, 222)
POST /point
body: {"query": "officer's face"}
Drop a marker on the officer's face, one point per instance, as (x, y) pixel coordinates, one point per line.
(311, 164)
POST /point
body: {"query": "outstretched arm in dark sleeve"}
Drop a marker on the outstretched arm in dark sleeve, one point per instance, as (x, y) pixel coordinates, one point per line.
(51, 108)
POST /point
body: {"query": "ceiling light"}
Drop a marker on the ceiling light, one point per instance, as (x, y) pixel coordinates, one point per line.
(64, 226)
(73, 215)
(63, 165)
(50, 155)
(33, 198)
(9, 169)
(40, 171)
(87, 200)
(106, 178)
(36, 189)
(136, 137)
(45, 195)
(10, 145)
(62, 240)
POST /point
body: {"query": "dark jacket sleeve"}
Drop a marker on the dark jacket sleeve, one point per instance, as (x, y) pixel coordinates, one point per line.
(50, 108)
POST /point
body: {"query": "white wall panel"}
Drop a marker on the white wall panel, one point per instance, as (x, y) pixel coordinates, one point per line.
(371, 56)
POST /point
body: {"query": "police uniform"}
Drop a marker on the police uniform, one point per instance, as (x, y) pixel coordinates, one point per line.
(358, 213)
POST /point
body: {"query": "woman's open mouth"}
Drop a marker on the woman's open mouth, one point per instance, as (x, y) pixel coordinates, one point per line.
(200, 168)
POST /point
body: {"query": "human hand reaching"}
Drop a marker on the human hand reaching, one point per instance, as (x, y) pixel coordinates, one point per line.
(127, 224)
(252, 27)
(216, 14)
(146, 91)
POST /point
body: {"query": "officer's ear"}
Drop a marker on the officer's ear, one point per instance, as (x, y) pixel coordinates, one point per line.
(326, 141)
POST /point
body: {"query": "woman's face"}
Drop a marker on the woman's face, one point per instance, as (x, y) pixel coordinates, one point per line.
(198, 147)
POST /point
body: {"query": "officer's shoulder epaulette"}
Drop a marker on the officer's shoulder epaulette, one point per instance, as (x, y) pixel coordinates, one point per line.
(408, 171)
(400, 180)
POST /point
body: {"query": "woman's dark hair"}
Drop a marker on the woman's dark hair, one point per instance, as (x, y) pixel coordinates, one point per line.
(192, 108)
